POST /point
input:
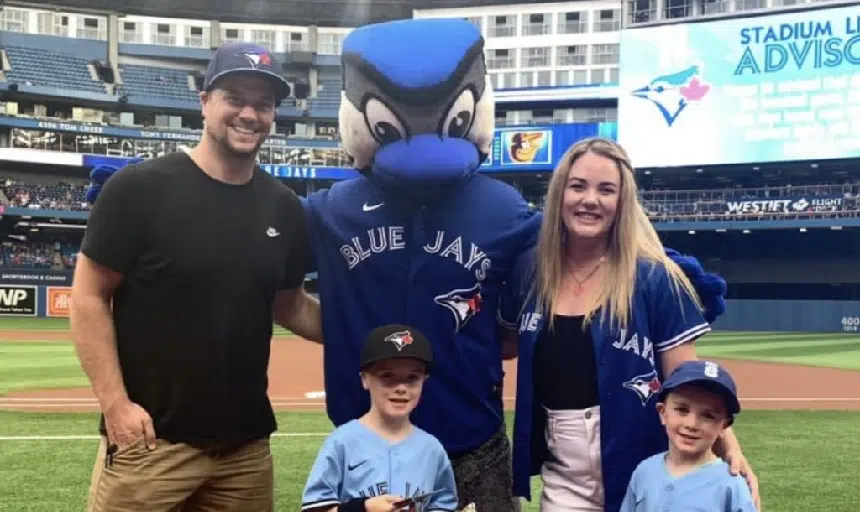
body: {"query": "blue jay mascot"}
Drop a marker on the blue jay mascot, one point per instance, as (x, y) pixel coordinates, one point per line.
(421, 239)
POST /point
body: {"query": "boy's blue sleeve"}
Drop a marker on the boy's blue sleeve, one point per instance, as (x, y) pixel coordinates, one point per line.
(324, 481)
(445, 501)
(674, 317)
(740, 497)
(629, 503)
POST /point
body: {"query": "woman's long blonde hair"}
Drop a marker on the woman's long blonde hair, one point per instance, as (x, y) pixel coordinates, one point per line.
(631, 238)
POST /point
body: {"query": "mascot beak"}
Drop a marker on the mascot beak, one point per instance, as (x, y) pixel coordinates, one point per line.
(426, 158)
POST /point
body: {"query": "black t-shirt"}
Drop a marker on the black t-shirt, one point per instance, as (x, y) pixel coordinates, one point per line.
(202, 261)
(564, 368)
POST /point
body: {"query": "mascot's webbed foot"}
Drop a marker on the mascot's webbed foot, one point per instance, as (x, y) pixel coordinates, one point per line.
(710, 287)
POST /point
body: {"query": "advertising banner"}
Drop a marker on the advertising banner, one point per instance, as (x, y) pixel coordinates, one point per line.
(59, 301)
(747, 90)
(29, 276)
(514, 149)
(17, 300)
(784, 205)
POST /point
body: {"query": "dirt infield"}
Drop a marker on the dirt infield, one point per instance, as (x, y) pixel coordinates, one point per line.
(296, 382)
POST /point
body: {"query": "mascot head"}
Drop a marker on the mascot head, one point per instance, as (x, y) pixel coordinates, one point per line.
(100, 174)
(416, 107)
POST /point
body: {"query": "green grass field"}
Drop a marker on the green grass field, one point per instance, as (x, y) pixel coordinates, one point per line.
(806, 460)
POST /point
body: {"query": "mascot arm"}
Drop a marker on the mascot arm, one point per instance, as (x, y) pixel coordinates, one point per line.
(711, 288)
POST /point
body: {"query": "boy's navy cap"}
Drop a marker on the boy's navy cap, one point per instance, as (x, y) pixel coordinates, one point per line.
(394, 341)
(248, 59)
(707, 374)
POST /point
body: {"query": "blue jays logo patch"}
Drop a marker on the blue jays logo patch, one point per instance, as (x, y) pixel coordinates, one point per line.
(671, 94)
(257, 60)
(645, 386)
(400, 339)
(463, 304)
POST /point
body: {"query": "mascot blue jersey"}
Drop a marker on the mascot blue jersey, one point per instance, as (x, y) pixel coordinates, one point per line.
(385, 259)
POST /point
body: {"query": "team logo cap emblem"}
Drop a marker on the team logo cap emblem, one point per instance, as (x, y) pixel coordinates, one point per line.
(400, 339)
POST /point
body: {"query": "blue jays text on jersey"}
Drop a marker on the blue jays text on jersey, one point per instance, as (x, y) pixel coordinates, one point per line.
(385, 259)
(355, 462)
(709, 488)
(391, 238)
(628, 371)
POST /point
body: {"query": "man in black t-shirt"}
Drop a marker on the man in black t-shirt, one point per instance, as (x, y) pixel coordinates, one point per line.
(187, 261)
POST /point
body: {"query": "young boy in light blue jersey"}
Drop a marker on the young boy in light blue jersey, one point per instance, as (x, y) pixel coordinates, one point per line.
(381, 462)
(697, 402)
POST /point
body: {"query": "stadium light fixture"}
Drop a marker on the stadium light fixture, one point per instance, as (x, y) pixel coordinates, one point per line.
(692, 232)
(746, 231)
(803, 230)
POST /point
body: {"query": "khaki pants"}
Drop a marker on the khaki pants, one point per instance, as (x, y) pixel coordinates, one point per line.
(573, 477)
(180, 478)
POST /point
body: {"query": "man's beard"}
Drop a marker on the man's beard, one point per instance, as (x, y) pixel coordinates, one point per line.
(222, 142)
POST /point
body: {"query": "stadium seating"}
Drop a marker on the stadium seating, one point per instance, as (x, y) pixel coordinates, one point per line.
(47, 68)
(155, 82)
(56, 196)
(327, 100)
(37, 254)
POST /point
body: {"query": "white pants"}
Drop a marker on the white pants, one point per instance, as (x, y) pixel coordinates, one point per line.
(572, 477)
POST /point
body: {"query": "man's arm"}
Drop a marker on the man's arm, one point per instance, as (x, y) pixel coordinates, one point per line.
(297, 311)
(92, 329)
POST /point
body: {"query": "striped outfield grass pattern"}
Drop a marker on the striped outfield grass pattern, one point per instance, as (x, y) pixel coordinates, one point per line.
(44, 365)
(833, 350)
(11, 323)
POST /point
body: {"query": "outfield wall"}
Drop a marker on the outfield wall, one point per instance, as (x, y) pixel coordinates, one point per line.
(24, 300)
(790, 316)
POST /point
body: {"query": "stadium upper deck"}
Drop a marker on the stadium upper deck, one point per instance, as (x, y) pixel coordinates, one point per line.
(94, 82)
(153, 62)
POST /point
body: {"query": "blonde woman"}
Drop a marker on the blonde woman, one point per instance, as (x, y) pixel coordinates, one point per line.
(603, 314)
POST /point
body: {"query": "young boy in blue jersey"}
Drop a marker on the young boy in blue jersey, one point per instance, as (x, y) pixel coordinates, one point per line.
(381, 462)
(697, 402)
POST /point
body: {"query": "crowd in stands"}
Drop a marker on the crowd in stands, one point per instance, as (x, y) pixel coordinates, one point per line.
(769, 203)
(54, 196)
(38, 255)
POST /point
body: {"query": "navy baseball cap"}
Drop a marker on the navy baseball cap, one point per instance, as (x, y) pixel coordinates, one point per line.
(247, 59)
(708, 375)
(396, 341)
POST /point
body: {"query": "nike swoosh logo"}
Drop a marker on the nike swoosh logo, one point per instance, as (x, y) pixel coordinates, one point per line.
(371, 207)
(350, 467)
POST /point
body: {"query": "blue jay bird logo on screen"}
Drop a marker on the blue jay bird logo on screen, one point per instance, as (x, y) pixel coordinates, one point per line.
(672, 93)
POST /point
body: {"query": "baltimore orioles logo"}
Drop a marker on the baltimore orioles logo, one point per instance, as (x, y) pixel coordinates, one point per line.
(645, 386)
(525, 145)
(463, 304)
(400, 339)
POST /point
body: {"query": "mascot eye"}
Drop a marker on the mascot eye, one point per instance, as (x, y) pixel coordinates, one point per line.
(382, 123)
(461, 113)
